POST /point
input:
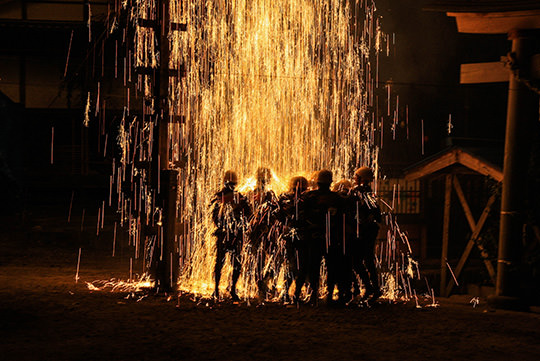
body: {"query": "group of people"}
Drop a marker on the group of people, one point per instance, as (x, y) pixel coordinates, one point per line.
(310, 221)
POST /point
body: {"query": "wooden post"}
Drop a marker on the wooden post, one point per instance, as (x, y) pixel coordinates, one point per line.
(522, 112)
(446, 229)
(166, 270)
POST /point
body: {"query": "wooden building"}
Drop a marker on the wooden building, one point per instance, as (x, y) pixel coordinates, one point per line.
(468, 176)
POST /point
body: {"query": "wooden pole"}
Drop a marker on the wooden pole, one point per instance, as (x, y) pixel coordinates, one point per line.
(167, 262)
(522, 111)
(446, 229)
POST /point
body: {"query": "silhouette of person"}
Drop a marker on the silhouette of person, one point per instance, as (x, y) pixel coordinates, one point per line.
(367, 216)
(230, 212)
(293, 226)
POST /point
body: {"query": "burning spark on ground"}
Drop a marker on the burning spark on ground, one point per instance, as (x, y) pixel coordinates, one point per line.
(475, 301)
(115, 285)
(433, 303)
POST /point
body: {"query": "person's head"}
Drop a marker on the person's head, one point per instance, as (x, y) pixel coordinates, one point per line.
(363, 176)
(343, 186)
(312, 182)
(298, 184)
(324, 178)
(230, 179)
(263, 176)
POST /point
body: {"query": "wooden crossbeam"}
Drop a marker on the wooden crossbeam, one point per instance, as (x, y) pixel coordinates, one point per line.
(476, 228)
(492, 72)
(178, 27)
(154, 24)
(148, 70)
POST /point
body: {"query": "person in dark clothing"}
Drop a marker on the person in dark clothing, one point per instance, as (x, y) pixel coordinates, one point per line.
(263, 228)
(230, 212)
(367, 216)
(324, 213)
(292, 227)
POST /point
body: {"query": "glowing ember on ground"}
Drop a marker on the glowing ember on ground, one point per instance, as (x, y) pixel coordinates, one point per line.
(115, 285)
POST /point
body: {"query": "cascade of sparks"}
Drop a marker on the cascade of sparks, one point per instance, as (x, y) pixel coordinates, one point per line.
(288, 85)
(281, 84)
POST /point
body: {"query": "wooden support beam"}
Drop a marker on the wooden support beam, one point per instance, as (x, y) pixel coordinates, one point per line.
(476, 73)
(464, 204)
(446, 229)
(443, 161)
(480, 166)
(477, 228)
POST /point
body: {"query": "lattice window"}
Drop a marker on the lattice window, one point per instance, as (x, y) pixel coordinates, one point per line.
(399, 195)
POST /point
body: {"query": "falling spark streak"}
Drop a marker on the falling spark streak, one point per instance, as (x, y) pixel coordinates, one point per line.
(97, 99)
(69, 52)
(116, 59)
(433, 303)
(416, 300)
(89, 23)
(78, 265)
(98, 221)
(407, 120)
(82, 219)
(52, 145)
(114, 240)
(111, 178)
(422, 123)
(451, 272)
(70, 206)
(449, 124)
(103, 214)
(87, 112)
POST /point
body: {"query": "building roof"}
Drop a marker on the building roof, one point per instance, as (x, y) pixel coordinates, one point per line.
(482, 6)
(5, 101)
(485, 161)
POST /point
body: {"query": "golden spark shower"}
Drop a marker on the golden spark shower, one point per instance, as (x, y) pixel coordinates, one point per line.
(281, 84)
(287, 85)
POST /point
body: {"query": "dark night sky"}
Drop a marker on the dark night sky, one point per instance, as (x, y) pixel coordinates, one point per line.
(425, 74)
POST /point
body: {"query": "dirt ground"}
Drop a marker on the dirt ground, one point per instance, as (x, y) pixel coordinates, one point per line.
(45, 315)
